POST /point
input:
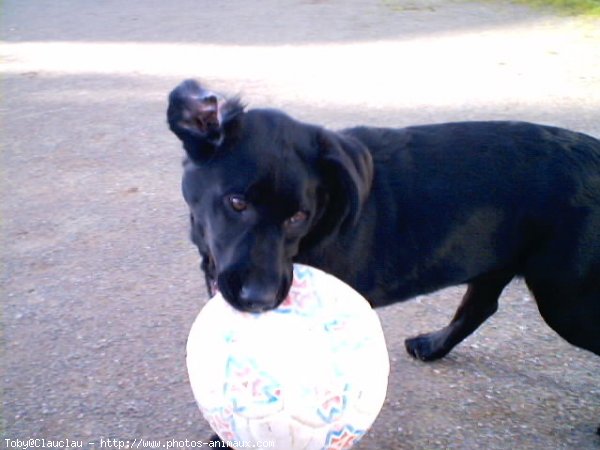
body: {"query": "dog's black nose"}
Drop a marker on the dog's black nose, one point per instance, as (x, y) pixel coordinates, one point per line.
(257, 298)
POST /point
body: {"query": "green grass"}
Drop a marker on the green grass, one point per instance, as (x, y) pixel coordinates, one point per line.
(578, 7)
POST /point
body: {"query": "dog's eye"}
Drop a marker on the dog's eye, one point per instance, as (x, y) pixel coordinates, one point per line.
(298, 218)
(237, 203)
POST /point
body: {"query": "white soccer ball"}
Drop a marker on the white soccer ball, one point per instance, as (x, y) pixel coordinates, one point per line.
(311, 374)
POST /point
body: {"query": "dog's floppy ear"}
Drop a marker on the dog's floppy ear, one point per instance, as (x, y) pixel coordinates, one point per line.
(346, 168)
(199, 117)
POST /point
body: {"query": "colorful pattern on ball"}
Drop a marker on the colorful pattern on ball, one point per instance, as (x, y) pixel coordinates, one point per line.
(221, 421)
(343, 438)
(302, 299)
(247, 386)
(332, 408)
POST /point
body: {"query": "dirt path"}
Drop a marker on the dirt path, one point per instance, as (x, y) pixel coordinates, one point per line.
(100, 284)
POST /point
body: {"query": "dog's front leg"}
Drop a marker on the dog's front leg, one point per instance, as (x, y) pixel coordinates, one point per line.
(216, 442)
(479, 303)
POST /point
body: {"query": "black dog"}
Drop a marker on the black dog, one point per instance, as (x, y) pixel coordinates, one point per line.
(394, 212)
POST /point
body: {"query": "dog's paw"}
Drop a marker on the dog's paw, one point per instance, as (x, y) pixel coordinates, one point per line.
(425, 347)
(215, 441)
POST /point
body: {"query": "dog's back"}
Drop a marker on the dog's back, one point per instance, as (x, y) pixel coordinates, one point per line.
(462, 200)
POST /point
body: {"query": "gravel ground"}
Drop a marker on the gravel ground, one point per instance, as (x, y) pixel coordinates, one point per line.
(99, 282)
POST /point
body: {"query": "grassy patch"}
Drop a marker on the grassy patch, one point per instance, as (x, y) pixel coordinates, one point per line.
(587, 7)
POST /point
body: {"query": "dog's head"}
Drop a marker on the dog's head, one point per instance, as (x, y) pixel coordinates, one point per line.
(262, 187)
